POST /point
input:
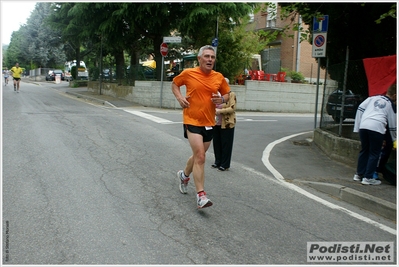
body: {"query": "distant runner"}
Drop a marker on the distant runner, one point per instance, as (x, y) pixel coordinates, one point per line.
(6, 74)
(16, 74)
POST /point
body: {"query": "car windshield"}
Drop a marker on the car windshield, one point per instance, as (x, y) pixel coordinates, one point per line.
(347, 92)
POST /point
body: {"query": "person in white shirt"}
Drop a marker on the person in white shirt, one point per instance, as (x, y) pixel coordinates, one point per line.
(372, 117)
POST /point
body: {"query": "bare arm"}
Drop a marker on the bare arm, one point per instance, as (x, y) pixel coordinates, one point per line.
(183, 101)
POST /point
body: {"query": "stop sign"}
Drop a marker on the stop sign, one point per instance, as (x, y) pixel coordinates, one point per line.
(164, 49)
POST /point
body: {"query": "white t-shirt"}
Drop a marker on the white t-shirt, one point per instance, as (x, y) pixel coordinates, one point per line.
(374, 114)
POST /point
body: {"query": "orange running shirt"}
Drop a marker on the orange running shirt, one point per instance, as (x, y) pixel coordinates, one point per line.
(199, 89)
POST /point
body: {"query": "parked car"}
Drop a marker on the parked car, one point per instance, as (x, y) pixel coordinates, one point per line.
(351, 103)
(52, 73)
(49, 75)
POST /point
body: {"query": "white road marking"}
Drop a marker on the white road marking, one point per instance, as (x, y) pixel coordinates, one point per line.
(164, 121)
(149, 117)
(279, 177)
(243, 120)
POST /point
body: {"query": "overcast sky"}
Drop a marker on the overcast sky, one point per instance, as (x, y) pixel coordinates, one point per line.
(13, 15)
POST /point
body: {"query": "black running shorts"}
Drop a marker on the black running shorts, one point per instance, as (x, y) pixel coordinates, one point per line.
(206, 132)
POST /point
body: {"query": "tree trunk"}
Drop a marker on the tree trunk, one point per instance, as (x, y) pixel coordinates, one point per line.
(158, 57)
(120, 66)
(77, 57)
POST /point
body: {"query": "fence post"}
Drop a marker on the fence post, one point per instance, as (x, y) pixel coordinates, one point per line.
(344, 91)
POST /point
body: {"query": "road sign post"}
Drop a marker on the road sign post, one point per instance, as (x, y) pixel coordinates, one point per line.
(164, 52)
(164, 49)
(319, 44)
(319, 47)
(215, 42)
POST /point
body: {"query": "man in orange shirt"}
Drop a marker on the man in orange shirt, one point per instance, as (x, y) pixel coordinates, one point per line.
(204, 89)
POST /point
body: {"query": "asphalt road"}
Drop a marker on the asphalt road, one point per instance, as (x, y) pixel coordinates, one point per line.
(86, 184)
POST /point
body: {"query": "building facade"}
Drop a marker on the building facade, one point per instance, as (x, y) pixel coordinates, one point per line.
(286, 52)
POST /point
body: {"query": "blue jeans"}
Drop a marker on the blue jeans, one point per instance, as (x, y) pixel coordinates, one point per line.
(370, 153)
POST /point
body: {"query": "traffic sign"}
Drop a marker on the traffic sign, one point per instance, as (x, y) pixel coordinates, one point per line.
(320, 23)
(319, 45)
(215, 42)
(164, 49)
(172, 39)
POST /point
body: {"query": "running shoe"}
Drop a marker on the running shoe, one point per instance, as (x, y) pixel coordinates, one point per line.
(357, 178)
(183, 181)
(203, 201)
(370, 181)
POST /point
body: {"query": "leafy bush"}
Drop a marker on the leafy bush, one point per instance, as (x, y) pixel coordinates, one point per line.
(296, 76)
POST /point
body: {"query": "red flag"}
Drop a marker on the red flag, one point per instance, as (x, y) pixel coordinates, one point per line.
(381, 73)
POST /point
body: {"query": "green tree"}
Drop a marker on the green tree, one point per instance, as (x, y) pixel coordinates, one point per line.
(367, 29)
(13, 54)
(35, 43)
(226, 20)
(44, 46)
(114, 29)
(237, 46)
(65, 18)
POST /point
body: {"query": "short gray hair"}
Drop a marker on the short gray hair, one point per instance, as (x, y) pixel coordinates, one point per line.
(205, 47)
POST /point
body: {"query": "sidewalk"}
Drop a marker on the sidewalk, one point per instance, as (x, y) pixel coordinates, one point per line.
(311, 167)
(308, 166)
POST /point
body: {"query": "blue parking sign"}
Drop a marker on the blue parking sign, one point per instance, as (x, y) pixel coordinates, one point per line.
(215, 42)
(320, 23)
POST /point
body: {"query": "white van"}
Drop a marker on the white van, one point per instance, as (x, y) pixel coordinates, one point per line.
(82, 70)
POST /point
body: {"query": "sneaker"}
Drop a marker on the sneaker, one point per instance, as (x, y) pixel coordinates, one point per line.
(183, 181)
(203, 201)
(357, 178)
(370, 181)
(222, 169)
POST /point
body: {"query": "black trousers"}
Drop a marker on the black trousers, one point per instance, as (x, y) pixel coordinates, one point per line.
(223, 145)
(370, 153)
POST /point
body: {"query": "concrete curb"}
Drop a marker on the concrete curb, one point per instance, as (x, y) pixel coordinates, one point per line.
(357, 198)
(103, 102)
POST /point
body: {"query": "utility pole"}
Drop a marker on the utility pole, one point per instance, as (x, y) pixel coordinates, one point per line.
(101, 63)
(215, 40)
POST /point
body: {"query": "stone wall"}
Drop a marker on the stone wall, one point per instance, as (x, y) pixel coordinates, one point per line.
(341, 149)
(262, 96)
